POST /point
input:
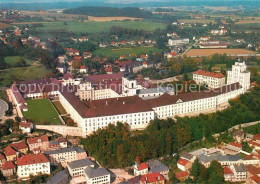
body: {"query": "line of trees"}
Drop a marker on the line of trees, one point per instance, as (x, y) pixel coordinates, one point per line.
(116, 146)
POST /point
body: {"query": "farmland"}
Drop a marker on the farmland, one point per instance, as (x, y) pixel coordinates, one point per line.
(249, 26)
(8, 76)
(41, 111)
(4, 26)
(115, 53)
(202, 21)
(210, 52)
(94, 27)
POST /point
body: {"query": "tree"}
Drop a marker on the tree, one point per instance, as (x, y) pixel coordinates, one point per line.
(216, 172)
(195, 170)
(185, 77)
(246, 147)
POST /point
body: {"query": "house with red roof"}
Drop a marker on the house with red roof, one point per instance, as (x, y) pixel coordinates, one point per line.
(83, 69)
(254, 144)
(140, 168)
(20, 147)
(83, 39)
(233, 148)
(10, 153)
(153, 178)
(184, 164)
(211, 79)
(171, 55)
(183, 175)
(109, 70)
(255, 179)
(41, 143)
(8, 169)
(228, 174)
(32, 164)
(87, 55)
(26, 127)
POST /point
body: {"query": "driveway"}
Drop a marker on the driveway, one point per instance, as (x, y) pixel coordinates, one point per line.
(3, 107)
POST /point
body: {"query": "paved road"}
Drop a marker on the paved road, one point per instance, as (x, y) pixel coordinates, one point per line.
(3, 107)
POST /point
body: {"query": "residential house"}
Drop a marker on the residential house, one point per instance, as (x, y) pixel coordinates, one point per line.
(83, 39)
(254, 179)
(40, 143)
(58, 144)
(20, 147)
(184, 164)
(153, 178)
(253, 170)
(109, 70)
(10, 153)
(2, 159)
(8, 169)
(255, 142)
(76, 168)
(83, 69)
(171, 55)
(26, 127)
(188, 156)
(97, 176)
(65, 155)
(238, 135)
(233, 148)
(62, 177)
(251, 159)
(140, 168)
(87, 55)
(239, 171)
(183, 175)
(32, 164)
(228, 174)
(155, 166)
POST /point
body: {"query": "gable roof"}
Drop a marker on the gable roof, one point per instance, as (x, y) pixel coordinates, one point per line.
(9, 151)
(19, 145)
(35, 140)
(2, 157)
(157, 166)
(8, 165)
(143, 166)
(227, 170)
(30, 159)
(183, 162)
(209, 74)
(153, 177)
(182, 174)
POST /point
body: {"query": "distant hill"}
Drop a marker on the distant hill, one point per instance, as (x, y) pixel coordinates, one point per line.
(110, 12)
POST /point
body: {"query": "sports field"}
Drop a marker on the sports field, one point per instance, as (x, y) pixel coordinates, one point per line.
(8, 76)
(94, 27)
(115, 53)
(40, 111)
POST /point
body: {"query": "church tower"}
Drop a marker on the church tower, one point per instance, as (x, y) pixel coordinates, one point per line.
(129, 84)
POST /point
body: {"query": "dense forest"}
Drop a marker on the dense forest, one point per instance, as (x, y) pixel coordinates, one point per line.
(116, 146)
(110, 12)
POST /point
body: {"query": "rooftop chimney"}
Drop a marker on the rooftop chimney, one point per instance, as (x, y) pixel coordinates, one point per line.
(106, 102)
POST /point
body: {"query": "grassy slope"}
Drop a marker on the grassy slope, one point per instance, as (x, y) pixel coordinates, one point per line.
(93, 27)
(115, 53)
(13, 59)
(8, 76)
(41, 110)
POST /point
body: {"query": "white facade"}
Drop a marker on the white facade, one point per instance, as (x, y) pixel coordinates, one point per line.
(212, 82)
(239, 74)
(182, 41)
(25, 171)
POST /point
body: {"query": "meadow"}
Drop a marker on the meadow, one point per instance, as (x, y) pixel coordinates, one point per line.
(8, 76)
(94, 27)
(41, 111)
(201, 21)
(115, 53)
(12, 60)
(248, 26)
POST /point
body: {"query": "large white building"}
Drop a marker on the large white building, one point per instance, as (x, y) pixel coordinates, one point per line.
(180, 41)
(129, 102)
(32, 164)
(211, 79)
(239, 73)
(97, 176)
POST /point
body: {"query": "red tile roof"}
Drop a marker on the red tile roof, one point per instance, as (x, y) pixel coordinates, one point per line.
(2, 157)
(183, 162)
(209, 74)
(143, 166)
(256, 178)
(34, 140)
(83, 67)
(32, 159)
(9, 151)
(19, 145)
(236, 144)
(181, 174)
(256, 137)
(254, 143)
(8, 165)
(102, 77)
(153, 177)
(109, 69)
(68, 76)
(227, 170)
(19, 98)
(25, 125)
(253, 169)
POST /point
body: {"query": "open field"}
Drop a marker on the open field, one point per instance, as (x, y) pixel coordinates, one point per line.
(14, 59)
(115, 53)
(105, 19)
(40, 111)
(248, 22)
(8, 76)
(202, 21)
(59, 107)
(94, 27)
(4, 26)
(210, 52)
(249, 26)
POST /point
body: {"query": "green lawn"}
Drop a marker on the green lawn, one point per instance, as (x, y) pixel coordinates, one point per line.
(8, 76)
(13, 59)
(40, 111)
(115, 53)
(93, 27)
(59, 107)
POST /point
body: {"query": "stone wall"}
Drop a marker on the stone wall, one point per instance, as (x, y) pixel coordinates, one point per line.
(61, 129)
